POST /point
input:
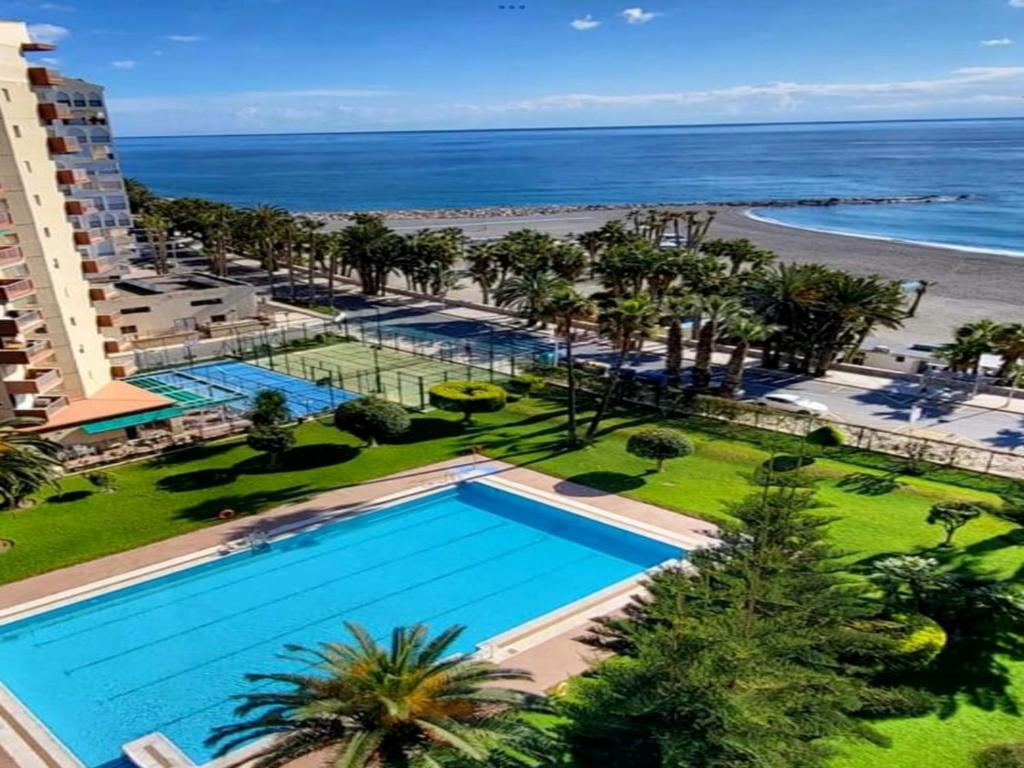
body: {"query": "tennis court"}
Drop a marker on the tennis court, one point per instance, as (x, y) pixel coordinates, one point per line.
(401, 377)
(235, 383)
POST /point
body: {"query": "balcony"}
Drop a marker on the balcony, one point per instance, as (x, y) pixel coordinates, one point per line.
(107, 318)
(85, 237)
(15, 288)
(68, 177)
(98, 265)
(36, 381)
(24, 352)
(17, 322)
(123, 369)
(102, 293)
(79, 207)
(52, 112)
(11, 256)
(41, 407)
(116, 346)
(6, 217)
(63, 145)
(42, 76)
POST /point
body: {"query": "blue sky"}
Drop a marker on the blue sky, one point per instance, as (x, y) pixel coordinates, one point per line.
(256, 66)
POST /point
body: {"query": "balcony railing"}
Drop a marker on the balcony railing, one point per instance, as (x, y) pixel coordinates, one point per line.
(79, 207)
(36, 381)
(41, 76)
(116, 346)
(102, 293)
(6, 217)
(15, 288)
(16, 322)
(24, 353)
(51, 112)
(10, 256)
(69, 177)
(63, 145)
(98, 265)
(85, 237)
(107, 318)
(41, 407)
(123, 369)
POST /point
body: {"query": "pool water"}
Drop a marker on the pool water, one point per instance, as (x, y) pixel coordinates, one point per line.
(166, 655)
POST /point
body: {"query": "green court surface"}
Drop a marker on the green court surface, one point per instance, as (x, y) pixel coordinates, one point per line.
(396, 375)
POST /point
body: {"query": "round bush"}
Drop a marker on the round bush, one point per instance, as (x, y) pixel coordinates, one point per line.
(659, 444)
(372, 419)
(525, 384)
(272, 440)
(923, 639)
(1001, 756)
(468, 397)
(826, 437)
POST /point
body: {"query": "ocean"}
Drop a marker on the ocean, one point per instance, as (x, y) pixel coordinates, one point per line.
(468, 169)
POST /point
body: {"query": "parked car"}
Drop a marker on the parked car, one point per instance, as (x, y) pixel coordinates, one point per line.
(795, 403)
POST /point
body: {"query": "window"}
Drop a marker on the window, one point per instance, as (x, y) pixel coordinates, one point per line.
(134, 310)
(206, 302)
(126, 329)
(56, 264)
(900, 358)
(7, 94)
(63, 98)
(218, 318)
(17, 131)
(28, 166)
(38, 199)
(72, 321)
(46, 231)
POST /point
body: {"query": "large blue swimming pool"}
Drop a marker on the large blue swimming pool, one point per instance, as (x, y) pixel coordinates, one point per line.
(166, 655)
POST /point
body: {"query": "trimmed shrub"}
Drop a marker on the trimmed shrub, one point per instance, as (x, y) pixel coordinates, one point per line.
(658, 445)
(826, 437)
(372, 419)
(525, 384)
(468, 397)
(1001, 756)
(104, 481)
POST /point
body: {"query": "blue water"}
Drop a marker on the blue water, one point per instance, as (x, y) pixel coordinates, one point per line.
(981, 158)
(165, 655)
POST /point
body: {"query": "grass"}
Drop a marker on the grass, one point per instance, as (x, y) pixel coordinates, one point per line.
(872, 518)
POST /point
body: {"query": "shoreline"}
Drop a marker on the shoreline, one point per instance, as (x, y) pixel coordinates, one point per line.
(982, 250)
(497, 212)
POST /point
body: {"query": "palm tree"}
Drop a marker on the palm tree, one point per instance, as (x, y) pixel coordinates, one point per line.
(415, 703)
(219, 226)
(564, 309)
(28, 461)
(372, 249)
(744, 330)
(739, 254)
(677, 309)
(717, 312)
(529, 293)
(919, 291)
(482, 266)
(156, 228)
(624, 323)
(314, 244)
(264, 228)
(1008, 343)
(970, 342)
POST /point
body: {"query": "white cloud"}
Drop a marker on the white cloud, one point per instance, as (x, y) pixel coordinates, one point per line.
(61, 7)
(584, 23)
(640, 16)
(996, 41)
(183, 38)
(49, 61)
(1017, 3)
(787, 95)
(123, 64)
(48, 33)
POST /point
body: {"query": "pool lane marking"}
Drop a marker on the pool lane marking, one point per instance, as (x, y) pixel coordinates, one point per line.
(236, 560)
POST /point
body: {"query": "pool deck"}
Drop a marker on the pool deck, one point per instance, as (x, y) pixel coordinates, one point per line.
(547, 647)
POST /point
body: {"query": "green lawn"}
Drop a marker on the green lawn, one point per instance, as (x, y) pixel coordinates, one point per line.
(185, 491)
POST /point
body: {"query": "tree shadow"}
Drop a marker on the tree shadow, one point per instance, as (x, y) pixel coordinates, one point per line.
(866, 484)
(301, 457)
(188, 455)
(66, 497)
(431, 428)
(609, 482)
(198, 480)
(1014, 538)
(242, 503)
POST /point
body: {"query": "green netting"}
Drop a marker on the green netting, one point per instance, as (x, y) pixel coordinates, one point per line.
(132, 420)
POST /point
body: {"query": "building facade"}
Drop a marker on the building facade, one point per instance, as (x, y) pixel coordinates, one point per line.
(55, 365)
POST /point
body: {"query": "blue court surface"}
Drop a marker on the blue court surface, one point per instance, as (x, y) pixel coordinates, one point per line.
(235, 383)
(166, 655)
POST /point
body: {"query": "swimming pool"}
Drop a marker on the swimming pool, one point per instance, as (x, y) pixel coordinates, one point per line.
(165, 655)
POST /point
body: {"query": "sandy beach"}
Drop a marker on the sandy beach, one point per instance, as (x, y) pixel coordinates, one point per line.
(966, 285)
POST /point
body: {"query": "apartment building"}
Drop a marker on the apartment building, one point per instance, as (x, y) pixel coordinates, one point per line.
(55, 364)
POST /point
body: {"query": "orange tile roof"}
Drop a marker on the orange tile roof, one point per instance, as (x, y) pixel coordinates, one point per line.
(118, 398)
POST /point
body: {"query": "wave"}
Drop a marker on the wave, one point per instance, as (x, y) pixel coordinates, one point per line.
(751, 214)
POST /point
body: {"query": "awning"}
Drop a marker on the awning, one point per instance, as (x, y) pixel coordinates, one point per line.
(132, 420)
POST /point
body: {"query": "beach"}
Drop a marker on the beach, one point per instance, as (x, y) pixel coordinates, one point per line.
(966, 286)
